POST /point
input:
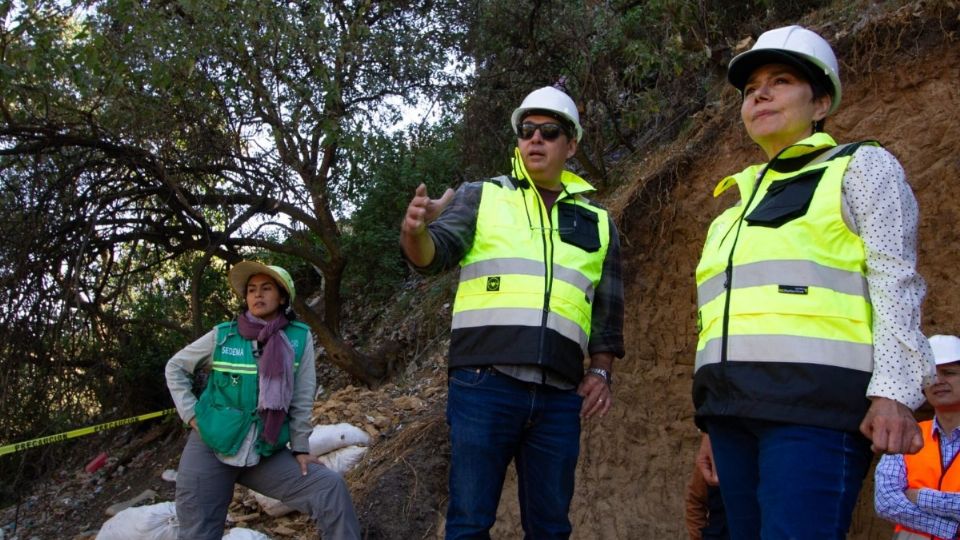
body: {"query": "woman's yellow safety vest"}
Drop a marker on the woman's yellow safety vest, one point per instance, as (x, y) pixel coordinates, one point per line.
(784, 314)
(527, 283)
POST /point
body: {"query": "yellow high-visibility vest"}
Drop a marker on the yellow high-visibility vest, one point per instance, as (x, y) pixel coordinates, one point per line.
(783, 305)
(527, 283)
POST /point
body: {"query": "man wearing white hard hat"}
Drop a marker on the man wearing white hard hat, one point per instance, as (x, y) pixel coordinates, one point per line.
(540, 290)
(920, 493)
(809, 351)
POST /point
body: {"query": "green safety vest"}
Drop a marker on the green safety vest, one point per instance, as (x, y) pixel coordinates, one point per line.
(784, 313)
(527, 283)
(228, 405)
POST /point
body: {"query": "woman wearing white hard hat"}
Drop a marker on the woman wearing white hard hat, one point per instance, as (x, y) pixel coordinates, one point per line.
(809, 349)
(258, 399)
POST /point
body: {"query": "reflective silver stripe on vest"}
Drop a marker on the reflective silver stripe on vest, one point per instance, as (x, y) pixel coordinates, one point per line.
(526, 267)
(907, 535)
(519, 317)
(791, 272)
(791, 349)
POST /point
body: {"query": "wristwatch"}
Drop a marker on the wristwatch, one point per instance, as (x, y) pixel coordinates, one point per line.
(603, 374)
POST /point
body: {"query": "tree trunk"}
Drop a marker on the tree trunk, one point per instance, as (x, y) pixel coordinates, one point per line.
(195, 310)
(331, 296)
(371, 370)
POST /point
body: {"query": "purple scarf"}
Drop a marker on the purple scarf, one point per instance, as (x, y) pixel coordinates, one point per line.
(275, 368)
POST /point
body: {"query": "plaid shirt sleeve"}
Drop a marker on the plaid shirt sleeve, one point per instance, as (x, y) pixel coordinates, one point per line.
(606, 323)
(453, 230)
(892, 504)
(942, 503)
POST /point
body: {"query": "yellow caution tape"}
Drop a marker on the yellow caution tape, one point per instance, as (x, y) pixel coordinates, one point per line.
(33, 443)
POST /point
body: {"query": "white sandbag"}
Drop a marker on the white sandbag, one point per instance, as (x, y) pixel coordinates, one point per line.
(342, 460)
(328, 438)
(241, 533)
(271, 506)
(150, 522)
(339, 461)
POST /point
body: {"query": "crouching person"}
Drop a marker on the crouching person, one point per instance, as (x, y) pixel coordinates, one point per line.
(921, 492)
(258, 398)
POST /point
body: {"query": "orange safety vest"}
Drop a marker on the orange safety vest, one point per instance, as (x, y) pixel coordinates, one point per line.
(925, 469)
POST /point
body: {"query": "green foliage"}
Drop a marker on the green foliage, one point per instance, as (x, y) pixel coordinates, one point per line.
(146, 139)
(145, 340)
(393, 166)
(636, 69)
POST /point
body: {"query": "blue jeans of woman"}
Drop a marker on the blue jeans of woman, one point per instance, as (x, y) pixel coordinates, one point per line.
(787, 481)
(494, 419)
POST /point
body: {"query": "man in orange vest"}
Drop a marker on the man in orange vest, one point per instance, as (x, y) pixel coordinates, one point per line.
(921, 492)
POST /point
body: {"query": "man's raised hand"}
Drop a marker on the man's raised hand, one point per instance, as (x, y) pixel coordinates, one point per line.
(416, 244)
(422, 210)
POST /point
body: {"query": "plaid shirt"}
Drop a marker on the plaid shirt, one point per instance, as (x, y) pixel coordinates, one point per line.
(936, 512)
(453, 233)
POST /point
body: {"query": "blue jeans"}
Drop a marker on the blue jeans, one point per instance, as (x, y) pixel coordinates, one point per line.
(786, 481)
(493, 419)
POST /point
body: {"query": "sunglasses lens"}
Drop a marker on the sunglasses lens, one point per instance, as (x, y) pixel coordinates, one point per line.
(526, 130)
(548, 131)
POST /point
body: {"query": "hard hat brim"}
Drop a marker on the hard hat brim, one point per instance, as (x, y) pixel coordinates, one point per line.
(744, 64)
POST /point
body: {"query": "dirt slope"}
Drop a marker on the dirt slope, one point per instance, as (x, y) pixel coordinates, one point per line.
(635, 462)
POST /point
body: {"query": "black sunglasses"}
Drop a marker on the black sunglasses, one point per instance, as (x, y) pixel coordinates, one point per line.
(548, 130)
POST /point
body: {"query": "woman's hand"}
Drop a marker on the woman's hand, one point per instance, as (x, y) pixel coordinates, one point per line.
(891, 427)
(304, 460)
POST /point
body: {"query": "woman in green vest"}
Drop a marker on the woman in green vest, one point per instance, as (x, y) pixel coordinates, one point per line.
(809, 349)
(251, 424)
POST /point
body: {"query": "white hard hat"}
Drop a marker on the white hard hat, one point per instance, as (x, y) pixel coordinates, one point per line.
(796, 46)
(946, 349)
(550, 100)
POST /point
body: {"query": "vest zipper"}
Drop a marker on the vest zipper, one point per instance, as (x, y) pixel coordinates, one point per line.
(728, 278)
(546, 234)
(728, 271)
(547, 266)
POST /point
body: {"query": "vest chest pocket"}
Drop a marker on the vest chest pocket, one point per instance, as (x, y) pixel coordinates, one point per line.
(785, 200)
(578, 227)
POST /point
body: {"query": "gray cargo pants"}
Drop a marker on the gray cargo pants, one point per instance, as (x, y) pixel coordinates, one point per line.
(205, 489)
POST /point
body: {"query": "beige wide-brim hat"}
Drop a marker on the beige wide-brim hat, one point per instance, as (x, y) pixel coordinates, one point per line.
(241, 273)
(946, 349)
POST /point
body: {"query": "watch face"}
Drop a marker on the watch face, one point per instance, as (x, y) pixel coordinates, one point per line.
(601, 372)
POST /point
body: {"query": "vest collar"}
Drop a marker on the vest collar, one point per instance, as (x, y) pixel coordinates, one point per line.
(790, 159)
(572, 184)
